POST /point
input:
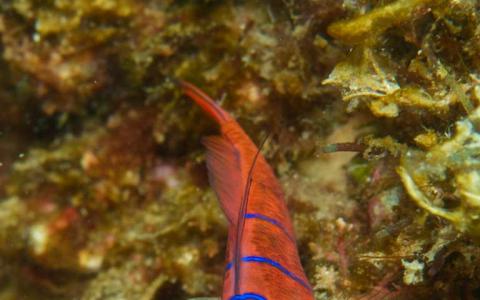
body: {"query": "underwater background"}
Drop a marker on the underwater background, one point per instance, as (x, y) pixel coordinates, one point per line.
(371, 108)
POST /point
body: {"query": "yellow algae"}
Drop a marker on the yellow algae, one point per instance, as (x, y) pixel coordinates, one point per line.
(368, 27)
(427, 139)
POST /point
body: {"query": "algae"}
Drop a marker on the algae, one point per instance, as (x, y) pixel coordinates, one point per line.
(103, 189)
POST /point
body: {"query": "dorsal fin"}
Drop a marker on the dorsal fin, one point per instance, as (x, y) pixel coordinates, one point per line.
(224, 174)
(223, 159)
(205, 102)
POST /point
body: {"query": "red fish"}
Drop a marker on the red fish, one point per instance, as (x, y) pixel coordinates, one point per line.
(262, 257)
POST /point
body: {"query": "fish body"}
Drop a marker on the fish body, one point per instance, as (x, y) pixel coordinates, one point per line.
(262, 257)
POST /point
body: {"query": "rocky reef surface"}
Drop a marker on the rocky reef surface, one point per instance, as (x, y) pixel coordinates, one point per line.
(372, 108)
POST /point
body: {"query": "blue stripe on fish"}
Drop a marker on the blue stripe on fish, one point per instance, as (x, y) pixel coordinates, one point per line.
(267, 219)
(274, 264)
(248, 296)
(271, 221)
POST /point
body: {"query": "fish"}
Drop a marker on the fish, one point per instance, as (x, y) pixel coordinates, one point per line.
(262, 257)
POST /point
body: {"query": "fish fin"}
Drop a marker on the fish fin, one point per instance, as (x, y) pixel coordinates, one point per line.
(224, 174)
(205, 102)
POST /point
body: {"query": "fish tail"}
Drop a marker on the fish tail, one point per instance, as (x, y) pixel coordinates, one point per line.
(205, 102)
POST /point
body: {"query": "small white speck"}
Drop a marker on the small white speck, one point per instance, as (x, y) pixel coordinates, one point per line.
(39, 238)
(36, 37)
(90, 261)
